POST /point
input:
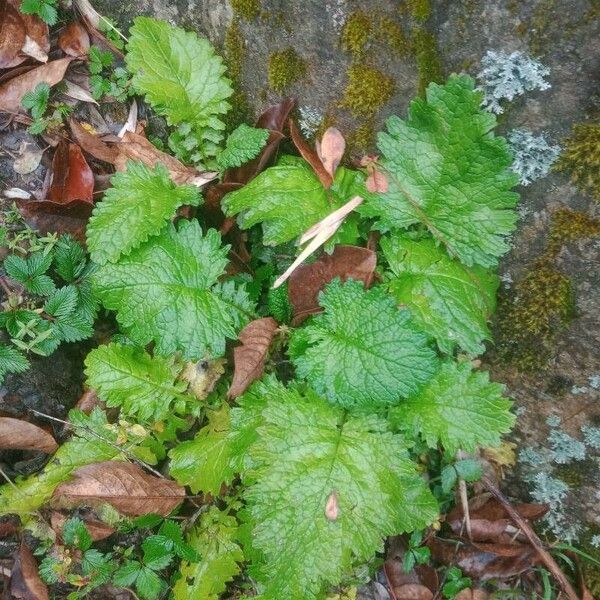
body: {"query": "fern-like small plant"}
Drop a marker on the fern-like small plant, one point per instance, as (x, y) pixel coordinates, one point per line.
(49, 300)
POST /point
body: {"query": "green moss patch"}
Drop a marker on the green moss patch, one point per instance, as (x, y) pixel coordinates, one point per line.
(285, 68)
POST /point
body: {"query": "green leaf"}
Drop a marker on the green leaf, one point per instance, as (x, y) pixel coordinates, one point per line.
(69, 258)
(44, 9)
(148, 584)
(242, 145)
(213, 539)
(157, 552)
(460, 409)
(31, 272)
(449, 477)
(71, 323)
(203, 463)
(137, 207)
(75, 533)
(448, 171)
(362, 351)
(62, 302)
(167, 291)
(448, 300)
(469, 469)
(141, 385)
(324, 492)
(94, 441)
(98, 566)
(289, 198)
(180, 76)
(37, 100)
(127, 574)
(11, 361)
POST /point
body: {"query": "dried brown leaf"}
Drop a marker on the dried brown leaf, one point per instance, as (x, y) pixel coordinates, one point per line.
(78, 92)
(13, 90)
(56, 217)
(331, 149)
(16, 434)
(92, 144)
(485, 561)
(483, 530)
(346, 262)
(377, 182)
(249, 358)
(33, 49)
(125, 486)
(472, 594)
(74, 40)
(413, 591)
(72, 178)
(310, 156)
(12, 35)
(490, 509)
(88, 401)
(25, 582)
(138, 147)
(35, 28)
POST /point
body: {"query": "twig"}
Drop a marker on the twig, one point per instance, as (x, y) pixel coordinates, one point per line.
(464, 501)
(111, 444)
(5, 287)
(534, 540)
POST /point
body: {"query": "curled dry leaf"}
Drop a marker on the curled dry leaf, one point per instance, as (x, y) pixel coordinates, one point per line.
(88, 401)
(33, 49)
(332, 507)
(12, 35)
(331, 149)
(72, 178)
(137, 147)
(125, 486)
(96, 528)
(13, 90)
(25, 582)
(202, 376)
(74, 40)
(132, 121)
(92, 144)
(16, 434)
(310, 156)
(249, 358)
(319, 234)
(377, 182)
(75, 91)
(346, 262)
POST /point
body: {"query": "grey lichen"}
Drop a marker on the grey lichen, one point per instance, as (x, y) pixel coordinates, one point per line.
(565, 448)
(533, 156)
(505, 76)
(591, 436)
